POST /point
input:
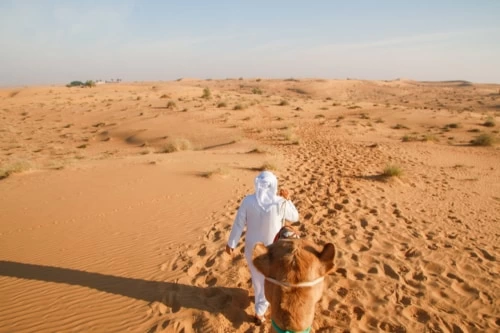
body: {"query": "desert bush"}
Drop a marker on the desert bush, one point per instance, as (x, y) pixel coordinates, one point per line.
(453, 125)
(430, 137)
(267, 166)
(257, 151)
(284, 103)
(16, 167)
(490, 122)
(392, 171)
(291, 137)
(171, 105)
(409, 138)
(216, 172)
(257, 91)
(176, 145)
(75, 84)
(298, 91)
(207, 94)
(399, 126)
(164, 96)
(89, 84)
(221, 104)
(484, 139)
(238, 107)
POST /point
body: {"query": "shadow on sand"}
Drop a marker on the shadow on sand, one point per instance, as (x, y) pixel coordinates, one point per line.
(231, 302)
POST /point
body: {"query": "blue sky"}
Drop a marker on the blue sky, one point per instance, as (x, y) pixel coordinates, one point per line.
(57, 41)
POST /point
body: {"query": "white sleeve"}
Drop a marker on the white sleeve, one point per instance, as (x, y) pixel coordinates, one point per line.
(291, 213)
(238, 226)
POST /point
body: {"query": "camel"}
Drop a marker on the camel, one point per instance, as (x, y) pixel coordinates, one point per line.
(294, 271)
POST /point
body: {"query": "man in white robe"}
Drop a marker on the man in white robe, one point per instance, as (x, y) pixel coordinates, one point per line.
(262, 213)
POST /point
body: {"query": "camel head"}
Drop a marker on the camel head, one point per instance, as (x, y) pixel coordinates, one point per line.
(294, 271)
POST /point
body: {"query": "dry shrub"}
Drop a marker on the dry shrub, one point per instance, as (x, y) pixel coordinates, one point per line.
(392, 171)
(490, 122)
(216, 172)
(268, 166)
(15, 167)
(484, 139)
(207, 94)
(176, 145)
(257, 151)
(14, 93)
(171, 105)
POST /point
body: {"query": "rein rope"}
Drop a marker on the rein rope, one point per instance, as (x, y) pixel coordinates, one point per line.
(295, 285)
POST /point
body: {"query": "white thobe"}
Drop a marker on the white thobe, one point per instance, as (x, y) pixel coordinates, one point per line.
(262, 227)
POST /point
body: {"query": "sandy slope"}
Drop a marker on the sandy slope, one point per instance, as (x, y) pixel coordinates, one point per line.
(102, 230)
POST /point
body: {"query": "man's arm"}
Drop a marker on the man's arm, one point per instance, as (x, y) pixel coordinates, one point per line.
(238, 226)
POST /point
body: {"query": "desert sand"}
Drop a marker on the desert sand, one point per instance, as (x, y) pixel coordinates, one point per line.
(116, 202)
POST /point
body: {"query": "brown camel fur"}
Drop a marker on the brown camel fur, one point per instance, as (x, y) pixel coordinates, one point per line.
(293, 261)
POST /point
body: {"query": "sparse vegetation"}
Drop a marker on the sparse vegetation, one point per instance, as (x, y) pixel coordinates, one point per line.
(221, 104)
(484, 139)
(409, 138)
(15, 167)
(216, 172)
(399, 126)
(176, 145)
(257, 151)
(171, 105)
(430, 137)
(75, 84)
(284, 103)
(14, 93)
(238, 107)
(290, 136)
(207, 94)
(490, 122)
(89, 84)
(392, 171)
(257, 91)
(453, 125)
(267, 166)
(298, 91)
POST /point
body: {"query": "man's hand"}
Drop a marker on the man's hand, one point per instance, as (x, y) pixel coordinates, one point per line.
(284, 193)
(229, 250)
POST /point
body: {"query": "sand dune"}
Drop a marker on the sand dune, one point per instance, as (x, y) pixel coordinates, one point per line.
(117, 201)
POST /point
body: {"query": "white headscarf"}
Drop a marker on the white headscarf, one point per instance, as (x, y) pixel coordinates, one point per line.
(266, 188)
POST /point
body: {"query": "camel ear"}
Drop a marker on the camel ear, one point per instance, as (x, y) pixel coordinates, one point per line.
(261, 259)
(327, 256)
